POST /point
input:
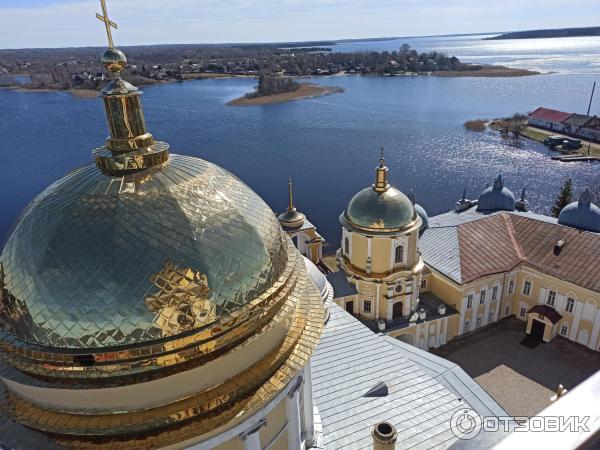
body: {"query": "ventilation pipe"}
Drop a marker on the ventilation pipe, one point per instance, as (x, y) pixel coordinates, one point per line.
(384, 436)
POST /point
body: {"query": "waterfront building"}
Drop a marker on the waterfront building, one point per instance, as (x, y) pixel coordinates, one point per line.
(578, 125)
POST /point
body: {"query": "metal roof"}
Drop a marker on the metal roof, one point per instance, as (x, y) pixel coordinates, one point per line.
(550, 115)
(424, 391)
(440, 250)
(341, 286)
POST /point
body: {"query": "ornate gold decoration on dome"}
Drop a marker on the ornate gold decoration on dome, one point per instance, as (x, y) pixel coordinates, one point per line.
(381, 176)
(130, 147)
(182, 301)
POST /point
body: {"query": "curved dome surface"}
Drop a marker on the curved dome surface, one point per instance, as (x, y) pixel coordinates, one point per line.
(582, 214)
(496, 198)
(380, 211)
(98, 262)
(423, 215)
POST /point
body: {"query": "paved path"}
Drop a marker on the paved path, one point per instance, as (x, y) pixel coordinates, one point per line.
(520, 379)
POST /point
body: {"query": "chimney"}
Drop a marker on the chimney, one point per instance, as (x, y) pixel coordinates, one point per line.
(441, 309)
(422, 314)
(558, 247)
(384, 436)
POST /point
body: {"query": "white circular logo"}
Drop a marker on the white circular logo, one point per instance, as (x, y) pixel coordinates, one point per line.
(465, 423)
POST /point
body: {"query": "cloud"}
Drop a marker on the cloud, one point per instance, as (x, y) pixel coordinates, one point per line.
(50, 23)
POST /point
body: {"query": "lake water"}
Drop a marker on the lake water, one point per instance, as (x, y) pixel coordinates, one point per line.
(329, 145)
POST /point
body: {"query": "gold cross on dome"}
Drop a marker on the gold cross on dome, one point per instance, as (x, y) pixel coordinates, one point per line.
(107, 23)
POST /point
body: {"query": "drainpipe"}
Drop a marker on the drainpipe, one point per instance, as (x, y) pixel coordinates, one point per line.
(384, 436)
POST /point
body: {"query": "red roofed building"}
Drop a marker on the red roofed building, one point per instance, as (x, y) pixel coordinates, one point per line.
(550, 119)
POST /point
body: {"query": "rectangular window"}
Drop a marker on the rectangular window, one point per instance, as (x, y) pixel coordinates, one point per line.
(511, 286)
(551, 298)
(399, 254)
(564, 329)
(367, 306)
(490, 317)
(479, 322)
(570, 304)
(527, 288)
(494, 293)
(507, 310)
(469, 301)
(467, 327)
(346, 246)
(423, 284)
(522, 312)
(482, 297)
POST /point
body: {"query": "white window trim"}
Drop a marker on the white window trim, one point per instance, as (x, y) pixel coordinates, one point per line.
(553, 304)
(482, 296)
(495, 291)
(511, 286)
(467, 300)
(525, 282)
(564, 325)
(567, 304)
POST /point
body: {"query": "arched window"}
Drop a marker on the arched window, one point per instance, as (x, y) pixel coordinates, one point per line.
(399, 254)
(346, 246)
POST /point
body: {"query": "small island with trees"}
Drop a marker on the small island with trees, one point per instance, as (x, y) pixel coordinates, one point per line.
(277, 88)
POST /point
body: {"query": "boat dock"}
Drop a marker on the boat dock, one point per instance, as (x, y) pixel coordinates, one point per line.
(573, 158)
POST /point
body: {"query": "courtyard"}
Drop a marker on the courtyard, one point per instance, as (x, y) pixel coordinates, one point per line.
(521, 379)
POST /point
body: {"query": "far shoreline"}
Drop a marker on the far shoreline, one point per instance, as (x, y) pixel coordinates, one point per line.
(486, 71)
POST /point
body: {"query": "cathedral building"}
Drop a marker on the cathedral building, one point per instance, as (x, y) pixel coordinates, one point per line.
(381, 262)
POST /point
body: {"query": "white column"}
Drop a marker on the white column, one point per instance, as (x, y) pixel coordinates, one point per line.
(445, 331)
(438, 331)
(578, 310)
(292, 412)
(377, 296)
(251, 437)
(463, 309)
(593, 344)
(499, 301)
(309, 420)
(390, 309)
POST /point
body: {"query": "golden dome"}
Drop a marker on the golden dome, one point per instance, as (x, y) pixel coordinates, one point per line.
(99, 262)
(114, 60)
(380, 208)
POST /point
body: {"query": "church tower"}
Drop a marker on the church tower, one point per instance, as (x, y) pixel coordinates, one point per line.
(302, 233)
(379, 251)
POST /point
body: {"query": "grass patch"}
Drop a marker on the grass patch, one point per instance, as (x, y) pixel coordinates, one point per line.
(475, 125)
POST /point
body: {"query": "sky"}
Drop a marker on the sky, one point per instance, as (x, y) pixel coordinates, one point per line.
(72, 23)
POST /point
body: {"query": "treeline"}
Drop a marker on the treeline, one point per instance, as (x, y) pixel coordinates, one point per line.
(269, 84)
(80, 67)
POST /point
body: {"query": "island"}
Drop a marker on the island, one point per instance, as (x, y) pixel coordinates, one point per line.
(276, 88)
(551, 33)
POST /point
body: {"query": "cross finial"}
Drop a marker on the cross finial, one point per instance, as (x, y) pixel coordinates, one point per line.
(107, 23)
(291, 199)
(382, 159)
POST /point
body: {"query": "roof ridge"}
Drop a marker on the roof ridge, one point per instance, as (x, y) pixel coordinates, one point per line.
(512, 233)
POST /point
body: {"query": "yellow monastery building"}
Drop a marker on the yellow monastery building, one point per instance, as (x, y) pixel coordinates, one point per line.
(426, 280)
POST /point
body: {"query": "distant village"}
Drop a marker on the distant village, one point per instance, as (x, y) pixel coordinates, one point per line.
(80, 68)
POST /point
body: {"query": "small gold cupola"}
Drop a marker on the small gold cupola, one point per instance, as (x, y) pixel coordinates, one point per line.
(291, 218)
(130, 147)
(381, 178)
